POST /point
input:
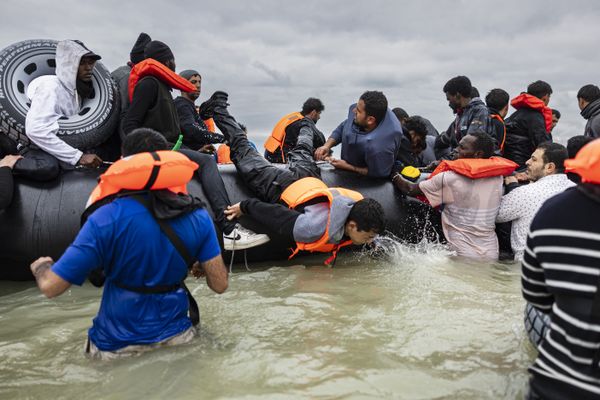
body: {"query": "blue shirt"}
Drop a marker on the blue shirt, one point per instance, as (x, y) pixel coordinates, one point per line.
(375, 150)
(125, 240)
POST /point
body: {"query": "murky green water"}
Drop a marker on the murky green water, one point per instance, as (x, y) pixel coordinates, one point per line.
(418, 325)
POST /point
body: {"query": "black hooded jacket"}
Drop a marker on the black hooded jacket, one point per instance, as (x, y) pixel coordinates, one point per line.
(592, 113)
(525, 131)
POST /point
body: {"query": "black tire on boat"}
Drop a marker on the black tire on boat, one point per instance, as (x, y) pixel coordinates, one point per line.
(24, 61)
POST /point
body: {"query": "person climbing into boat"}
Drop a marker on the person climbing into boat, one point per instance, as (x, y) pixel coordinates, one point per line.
(412, 144)
(469, 190)
(196, 134)
(145, 242)
(370, 138)
(560, 271)
(316, 217)
(427, 155)
(285, 133)
(53, 97)
(152, 106)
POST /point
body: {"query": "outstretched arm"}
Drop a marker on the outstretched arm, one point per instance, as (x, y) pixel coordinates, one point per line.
(406, 186)
(49, 283)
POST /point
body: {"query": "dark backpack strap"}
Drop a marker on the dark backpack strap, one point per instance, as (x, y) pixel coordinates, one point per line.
(183, 252)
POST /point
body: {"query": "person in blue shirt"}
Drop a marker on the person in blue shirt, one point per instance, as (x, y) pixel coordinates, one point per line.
(125, 240)
(370, 138)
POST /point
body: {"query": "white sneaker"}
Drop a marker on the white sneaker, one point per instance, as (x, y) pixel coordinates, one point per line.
(241, 238)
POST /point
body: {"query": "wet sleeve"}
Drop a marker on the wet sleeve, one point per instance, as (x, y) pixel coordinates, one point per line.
(82, 256)
(533, 280)
(433, 189)
(209, 244)
(6, 187)
(337, 133)
(144, 96)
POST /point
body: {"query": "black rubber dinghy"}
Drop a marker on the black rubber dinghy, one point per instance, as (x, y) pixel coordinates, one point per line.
(44, 218)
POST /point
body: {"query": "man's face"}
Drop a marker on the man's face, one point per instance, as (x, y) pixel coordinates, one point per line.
(315, 115)
(360, 115)
(554, 122)
(359, 237)
(536, 168)
(195, 80)
(466, 147)
(582, 103)
(86, 67)
(416, 142)
(453, 101)
(546, 99)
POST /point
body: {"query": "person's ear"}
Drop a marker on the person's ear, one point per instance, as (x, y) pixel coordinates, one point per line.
(550, 168)
(371, 120)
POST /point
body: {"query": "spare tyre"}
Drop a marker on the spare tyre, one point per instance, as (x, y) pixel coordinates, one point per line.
(21, 63)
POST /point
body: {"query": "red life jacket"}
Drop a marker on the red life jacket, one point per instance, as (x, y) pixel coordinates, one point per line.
(277, 138)
(307, 189)
(499, 118)
(145, 171)
(151, 67)
(476, 168)
(529, 101)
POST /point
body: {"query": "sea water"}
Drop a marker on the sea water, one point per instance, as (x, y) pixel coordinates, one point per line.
(408, 323)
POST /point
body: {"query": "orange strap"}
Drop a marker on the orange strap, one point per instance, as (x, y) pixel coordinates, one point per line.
(499, 118)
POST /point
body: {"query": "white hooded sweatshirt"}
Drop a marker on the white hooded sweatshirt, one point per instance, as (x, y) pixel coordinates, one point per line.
(53, 97)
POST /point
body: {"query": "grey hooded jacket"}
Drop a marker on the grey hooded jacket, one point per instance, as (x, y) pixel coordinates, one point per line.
(311, 224)
(53, 97)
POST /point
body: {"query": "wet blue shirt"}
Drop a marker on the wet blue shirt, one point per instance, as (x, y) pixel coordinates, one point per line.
(124, 239)
(375, 150)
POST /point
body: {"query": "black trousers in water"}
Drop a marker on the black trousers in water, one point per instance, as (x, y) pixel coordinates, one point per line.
(213, 187)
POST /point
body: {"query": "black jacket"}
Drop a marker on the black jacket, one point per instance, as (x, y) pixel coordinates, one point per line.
(498, 127)
(194, 130)
(525, 131)
(592, 113)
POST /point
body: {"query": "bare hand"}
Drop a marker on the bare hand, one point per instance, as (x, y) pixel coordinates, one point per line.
(9, 161)
(432, 166)
(521, 176)
(90, 161)
(510, 179)
(197, 270)
(339, 164)
(321, 153)
(207, 148)
(39, 262)
(233, 212)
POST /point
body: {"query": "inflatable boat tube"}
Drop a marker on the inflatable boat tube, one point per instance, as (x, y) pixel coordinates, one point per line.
(44, 217)
(537, 325)
(21, 63)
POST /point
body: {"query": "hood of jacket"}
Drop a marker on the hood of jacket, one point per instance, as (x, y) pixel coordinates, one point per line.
(68, 56)
(591, 109)
(525, 100)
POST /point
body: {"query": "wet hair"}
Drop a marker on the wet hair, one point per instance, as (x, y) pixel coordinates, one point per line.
(554, 153)
(497, 99)
(589, 93)
(556, 113)
(483, 142)
(539, 89)
(142, 140)
(458, 85)
(375, 104)
(474, 92)
(416, 125)
(575, 144)
(368, 215)
(312, 104)
(400, 113)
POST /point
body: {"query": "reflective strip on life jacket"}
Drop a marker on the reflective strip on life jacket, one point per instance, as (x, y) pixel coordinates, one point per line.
(145, 171)
(476, 168)
(499, 118)
(224, 155)
(307, 189)
(151, 67)
(275, 141)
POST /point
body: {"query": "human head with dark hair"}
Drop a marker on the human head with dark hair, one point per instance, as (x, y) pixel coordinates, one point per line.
(417, 132)
(555, 118)
(142, 140)
(540, 89)
(312, 108)
(587, 94)
(477, 144)
(549, 158)
(497, 100)
(161, 53)
(195, 79)
(401, 114)
(458, 92)
(575, 144)
(474, 92)
(365, 221)
(370, 110)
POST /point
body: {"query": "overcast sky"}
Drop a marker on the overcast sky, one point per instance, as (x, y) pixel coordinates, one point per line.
(270, 55)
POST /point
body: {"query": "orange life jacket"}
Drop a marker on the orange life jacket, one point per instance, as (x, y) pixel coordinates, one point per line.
(210, 124)
(499, 118)
(151, 67)
(307, 189)
(145, 171)
(530, 101)
(275, 141)
(476, 168)
(224, 155)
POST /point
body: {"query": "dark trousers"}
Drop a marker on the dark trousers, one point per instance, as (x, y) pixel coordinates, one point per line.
(276, 217)
(213, 187)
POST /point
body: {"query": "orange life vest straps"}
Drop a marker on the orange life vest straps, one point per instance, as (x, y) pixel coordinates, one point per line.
(275, 141)
(151, 67)
(210, 124)
(476, 168)
(499, 118)
(224, 155)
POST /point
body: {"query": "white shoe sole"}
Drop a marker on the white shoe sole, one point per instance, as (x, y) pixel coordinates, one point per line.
(236, 245)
